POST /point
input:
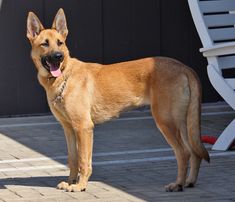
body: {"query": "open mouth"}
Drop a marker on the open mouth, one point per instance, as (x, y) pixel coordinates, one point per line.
(52, 67)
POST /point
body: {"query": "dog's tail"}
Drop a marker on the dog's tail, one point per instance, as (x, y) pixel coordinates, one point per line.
(194, 117)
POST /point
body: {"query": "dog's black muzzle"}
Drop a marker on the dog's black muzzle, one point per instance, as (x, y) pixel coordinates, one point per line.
(54, 59)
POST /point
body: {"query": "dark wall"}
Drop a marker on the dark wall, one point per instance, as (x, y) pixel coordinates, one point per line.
(104, 31)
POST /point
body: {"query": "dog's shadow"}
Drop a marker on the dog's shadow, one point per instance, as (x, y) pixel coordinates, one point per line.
(42, 181)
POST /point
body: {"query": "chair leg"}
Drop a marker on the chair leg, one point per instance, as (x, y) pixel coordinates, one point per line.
(226, 138)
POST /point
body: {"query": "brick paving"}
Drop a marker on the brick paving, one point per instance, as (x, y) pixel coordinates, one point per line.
(132, 161)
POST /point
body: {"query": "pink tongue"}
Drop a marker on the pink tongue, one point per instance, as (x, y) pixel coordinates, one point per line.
(55, 73)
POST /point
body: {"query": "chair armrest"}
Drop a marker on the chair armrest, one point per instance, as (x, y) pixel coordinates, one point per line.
(220, 49)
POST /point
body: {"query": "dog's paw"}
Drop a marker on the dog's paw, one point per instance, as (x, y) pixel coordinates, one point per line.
(62, 185)
(76, 188)
(173, 187)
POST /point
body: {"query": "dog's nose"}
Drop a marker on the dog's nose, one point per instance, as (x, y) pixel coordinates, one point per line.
(57, 57)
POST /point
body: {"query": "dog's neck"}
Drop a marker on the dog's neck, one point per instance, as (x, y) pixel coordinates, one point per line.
(59, 95)
(55, 85)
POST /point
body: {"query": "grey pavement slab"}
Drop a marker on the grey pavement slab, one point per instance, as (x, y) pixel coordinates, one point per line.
(132, 161)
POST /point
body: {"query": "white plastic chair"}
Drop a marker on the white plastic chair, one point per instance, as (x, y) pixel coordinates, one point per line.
(215, 23)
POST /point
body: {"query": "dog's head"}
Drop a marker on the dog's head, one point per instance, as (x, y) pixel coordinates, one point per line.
(49, 51)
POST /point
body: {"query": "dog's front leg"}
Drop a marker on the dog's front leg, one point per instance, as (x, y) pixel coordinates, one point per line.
(85, 144)
(72, 156)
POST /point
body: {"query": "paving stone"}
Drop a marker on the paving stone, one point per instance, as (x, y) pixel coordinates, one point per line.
(6, 194)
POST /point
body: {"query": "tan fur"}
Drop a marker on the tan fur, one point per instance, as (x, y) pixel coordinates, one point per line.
(94, 93)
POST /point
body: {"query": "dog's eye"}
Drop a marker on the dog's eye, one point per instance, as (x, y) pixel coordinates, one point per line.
(45, 44)
(59, 43)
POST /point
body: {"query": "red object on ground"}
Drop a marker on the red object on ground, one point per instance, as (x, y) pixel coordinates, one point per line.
(211, 140)
(208, 139)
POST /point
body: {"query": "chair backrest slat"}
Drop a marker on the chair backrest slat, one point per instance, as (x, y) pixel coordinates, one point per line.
(222, 34)
(220, 20)
(226, 62)
(215, 6)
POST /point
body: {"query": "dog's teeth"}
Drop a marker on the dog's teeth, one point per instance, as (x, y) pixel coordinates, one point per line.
(48, 64)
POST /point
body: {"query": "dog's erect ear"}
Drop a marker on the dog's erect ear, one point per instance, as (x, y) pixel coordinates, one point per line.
(34, 26)
(60, 23)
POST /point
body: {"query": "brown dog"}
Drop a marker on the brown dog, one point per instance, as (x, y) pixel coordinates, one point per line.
(82, 94)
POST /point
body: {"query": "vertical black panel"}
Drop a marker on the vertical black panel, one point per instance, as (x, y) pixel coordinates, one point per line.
(84, 20)
(146, 28)
(175, 29)
(8, 75)
(19, 88)
(131, 29)
(117, 24)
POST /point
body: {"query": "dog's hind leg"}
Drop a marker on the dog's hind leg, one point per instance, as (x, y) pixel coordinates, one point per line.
(72, 157)
(169, 104)
(195, 162)
(173, 137)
